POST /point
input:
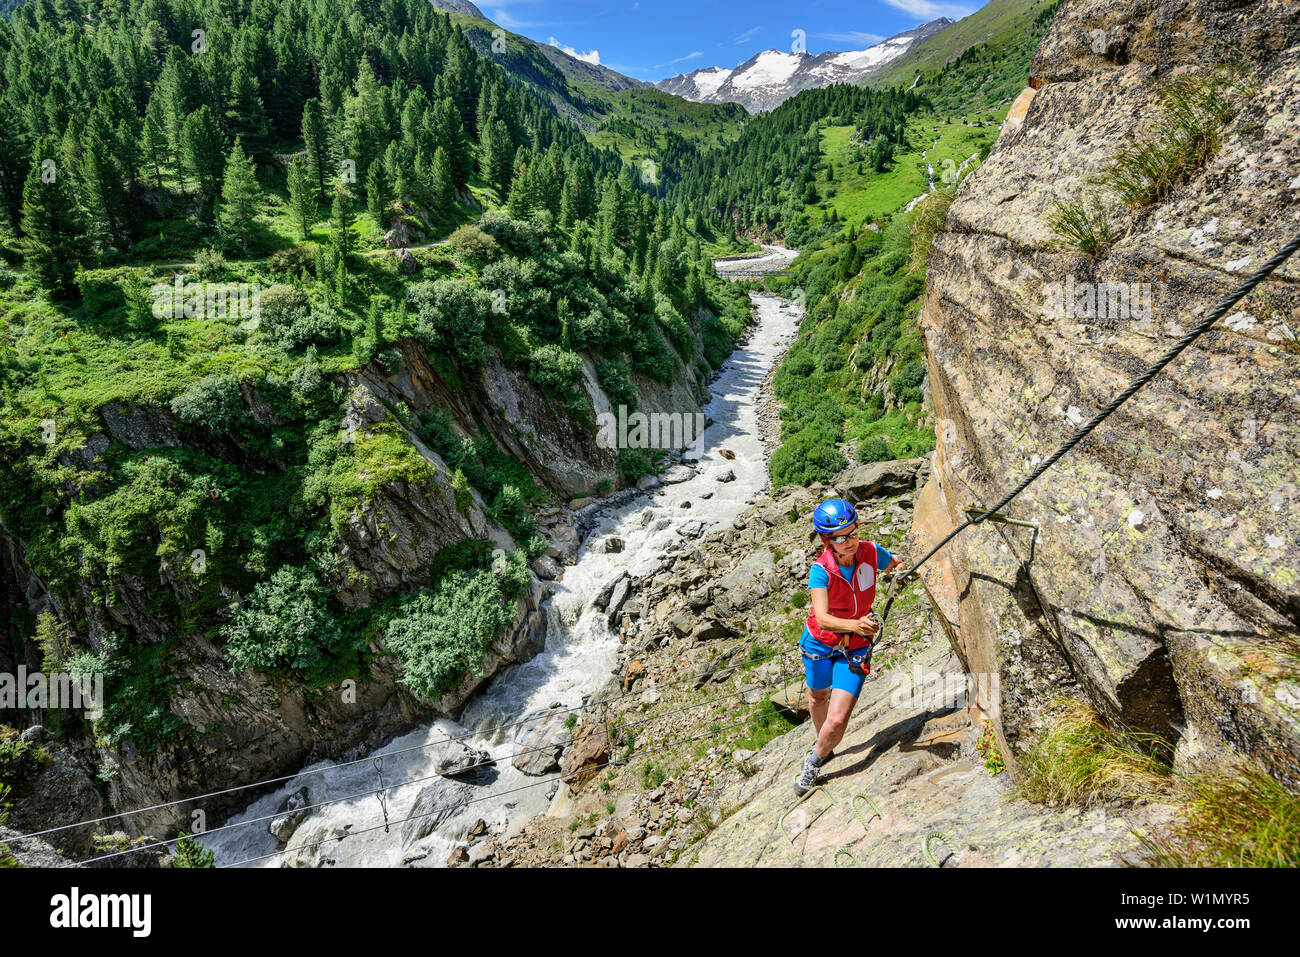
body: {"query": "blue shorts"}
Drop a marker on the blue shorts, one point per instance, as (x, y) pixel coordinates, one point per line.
(832, 672)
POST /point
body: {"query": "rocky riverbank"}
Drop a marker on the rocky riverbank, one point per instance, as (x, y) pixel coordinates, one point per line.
(687, 754)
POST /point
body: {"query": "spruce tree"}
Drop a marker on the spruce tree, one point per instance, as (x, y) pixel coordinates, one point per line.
(442, 189)
(246, 117)
(240, 194)
(302, 195)
(203, 151)
(456, 143)
(52, 225)
(377, 196)
(343, 217)
(317, 143)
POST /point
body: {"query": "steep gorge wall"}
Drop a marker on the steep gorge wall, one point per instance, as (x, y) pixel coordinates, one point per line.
(1164, 582)
(246, 726)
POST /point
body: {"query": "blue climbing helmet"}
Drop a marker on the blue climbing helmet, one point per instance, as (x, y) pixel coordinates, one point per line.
(833, 515)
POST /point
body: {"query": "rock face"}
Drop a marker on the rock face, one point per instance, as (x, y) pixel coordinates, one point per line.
(1162, 582)
(61, 794)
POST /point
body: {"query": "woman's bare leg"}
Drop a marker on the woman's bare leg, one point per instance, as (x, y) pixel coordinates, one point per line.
(831, 730)
(818, 702)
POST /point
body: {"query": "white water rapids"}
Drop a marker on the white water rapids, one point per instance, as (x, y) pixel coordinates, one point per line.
(580, 650)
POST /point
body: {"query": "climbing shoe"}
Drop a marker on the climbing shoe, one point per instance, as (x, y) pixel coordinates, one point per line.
(808, 774)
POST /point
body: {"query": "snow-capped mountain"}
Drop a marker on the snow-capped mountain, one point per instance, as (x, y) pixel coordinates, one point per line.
(768, 79)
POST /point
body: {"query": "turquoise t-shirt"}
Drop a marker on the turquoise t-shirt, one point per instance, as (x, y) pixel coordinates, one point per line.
(817, 578)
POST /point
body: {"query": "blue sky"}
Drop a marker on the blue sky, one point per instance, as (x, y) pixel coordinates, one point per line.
(653, 39)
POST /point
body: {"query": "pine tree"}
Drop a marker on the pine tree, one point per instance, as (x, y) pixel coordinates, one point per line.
(104, 184)
(240, 194)
(442, 189)
(377, 195)
(246, 117)
(317, 143)
(302, 195)
(155, 150)
(495, 155)
(14, 149)
(203, 150)
(343, 218)
(52, 224)
(175, 91)
(456, 143)
(569, 202)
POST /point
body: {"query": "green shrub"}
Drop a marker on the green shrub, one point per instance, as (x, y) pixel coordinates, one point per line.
(442, 632)
(906, 382)
(474, 245)
(632, 464)
(301, 329)
(874, 449)
(555, 370)
(450, 316)
(295, 262)
(510, 508)
(807, 457)
(214, 403)
(460, 486)
(190, 853)
(210, 265)
(671, 321)
(21, 761)
(286, 623)
(281, 302)
(617, 384)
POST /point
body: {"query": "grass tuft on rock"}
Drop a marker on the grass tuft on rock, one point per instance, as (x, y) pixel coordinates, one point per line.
(1081, 761)
(1237, 817)
(1183, 138)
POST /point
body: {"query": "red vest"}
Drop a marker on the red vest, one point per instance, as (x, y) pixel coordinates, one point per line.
(847, 599)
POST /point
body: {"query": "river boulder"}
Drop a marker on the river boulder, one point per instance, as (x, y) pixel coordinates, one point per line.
(540, 740)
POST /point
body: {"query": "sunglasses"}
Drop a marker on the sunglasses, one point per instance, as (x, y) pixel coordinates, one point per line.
(846, 537)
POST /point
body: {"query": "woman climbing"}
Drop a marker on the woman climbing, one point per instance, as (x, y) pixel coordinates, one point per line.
(837, 639)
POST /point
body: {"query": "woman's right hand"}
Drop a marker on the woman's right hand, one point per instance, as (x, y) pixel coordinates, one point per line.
(865, 627)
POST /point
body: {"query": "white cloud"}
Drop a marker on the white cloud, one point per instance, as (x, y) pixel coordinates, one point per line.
(852, 36)
(929, 10)
(747, 34)
(683, 59)
(591, 56)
